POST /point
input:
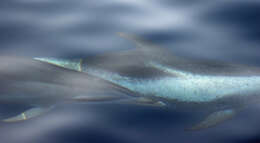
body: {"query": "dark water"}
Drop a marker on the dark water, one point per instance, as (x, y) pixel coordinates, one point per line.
(224, 30)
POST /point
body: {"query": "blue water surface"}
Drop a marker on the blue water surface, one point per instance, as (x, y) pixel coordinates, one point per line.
(223, 30)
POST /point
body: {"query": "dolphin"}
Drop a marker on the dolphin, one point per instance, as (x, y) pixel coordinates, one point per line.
(157, 77)
(41, 86)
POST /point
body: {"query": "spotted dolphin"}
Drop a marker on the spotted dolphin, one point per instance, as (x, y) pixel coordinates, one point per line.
(161, 78)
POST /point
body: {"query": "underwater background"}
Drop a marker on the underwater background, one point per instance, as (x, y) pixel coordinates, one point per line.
(222, 30)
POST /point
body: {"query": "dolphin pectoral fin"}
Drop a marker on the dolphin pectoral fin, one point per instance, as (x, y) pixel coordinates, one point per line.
(28, 114)
(214, 119)
(144, 101)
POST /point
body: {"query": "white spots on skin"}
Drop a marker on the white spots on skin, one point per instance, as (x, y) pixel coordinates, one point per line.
(188, 87)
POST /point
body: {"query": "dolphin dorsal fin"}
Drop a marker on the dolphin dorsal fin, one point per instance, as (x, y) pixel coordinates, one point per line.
(149, 50)
(139, 42)
(146, 48)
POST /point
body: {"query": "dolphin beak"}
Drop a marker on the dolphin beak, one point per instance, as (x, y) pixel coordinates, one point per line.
(73, 64)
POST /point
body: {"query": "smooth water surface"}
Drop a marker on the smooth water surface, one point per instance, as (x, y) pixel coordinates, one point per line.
(223, 30)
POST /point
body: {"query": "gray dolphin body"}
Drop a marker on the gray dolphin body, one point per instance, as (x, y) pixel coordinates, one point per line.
(42, 85)
(158, 78)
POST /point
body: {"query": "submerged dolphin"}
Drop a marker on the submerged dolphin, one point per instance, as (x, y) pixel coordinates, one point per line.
(41, 85)
(159, 78)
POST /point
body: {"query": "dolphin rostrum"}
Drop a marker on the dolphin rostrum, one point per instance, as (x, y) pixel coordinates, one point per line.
(154, 76)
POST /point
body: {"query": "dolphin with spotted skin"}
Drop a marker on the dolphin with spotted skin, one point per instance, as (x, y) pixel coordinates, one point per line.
(160, 78)
(154, 76)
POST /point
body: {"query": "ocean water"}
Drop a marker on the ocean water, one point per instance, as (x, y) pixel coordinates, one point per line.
(222, 30)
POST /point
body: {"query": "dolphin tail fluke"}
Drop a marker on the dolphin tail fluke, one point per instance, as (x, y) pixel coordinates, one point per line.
(214, 119)
(28, 114)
